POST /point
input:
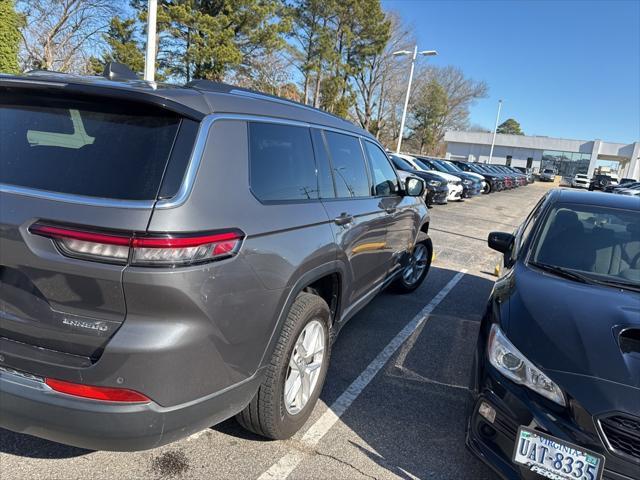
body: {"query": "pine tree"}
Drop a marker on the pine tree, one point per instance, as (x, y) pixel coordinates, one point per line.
(10, 24)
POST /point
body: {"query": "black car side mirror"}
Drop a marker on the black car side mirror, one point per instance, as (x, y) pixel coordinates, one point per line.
(414, 187)
(500, 241)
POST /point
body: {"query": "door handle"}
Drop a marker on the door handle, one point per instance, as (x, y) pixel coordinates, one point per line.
(343, 219)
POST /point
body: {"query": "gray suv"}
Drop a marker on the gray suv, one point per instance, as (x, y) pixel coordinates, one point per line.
(173, 256)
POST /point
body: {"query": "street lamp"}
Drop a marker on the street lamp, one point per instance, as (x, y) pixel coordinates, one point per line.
(426, 53)
(495, 130)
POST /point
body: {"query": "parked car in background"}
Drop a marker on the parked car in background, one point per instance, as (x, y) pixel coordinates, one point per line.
(632, 189)
(547, 175)
(493, 182)
(520, 178)
(622, 183)
(527, 171)
(437, 189)
(472, 185)
(455, 170)
(150, 288)
(454, 183)
(581, 180)
(556, 370)
(509, 180)
(602, 181)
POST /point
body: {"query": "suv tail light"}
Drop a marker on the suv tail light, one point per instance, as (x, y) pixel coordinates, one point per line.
(140, 248)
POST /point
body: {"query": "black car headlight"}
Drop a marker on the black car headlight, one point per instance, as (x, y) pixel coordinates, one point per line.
(468, 183)
(516, 367)
(434, 183)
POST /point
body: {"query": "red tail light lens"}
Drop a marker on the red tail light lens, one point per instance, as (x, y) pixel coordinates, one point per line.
(184, 250)
(141, 249)
(106, 394)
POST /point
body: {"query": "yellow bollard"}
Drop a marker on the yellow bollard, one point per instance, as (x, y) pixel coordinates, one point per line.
(496, 270)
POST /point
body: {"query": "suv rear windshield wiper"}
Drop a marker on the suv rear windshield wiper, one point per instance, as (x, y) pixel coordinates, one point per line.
(562, 272)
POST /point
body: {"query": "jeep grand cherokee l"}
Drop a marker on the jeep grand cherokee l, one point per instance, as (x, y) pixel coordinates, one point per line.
(174, 256)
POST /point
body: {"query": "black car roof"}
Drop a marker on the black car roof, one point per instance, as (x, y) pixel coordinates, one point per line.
(563, 195)
(195, 99)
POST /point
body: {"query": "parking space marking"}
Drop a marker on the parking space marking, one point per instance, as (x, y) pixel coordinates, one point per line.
(288, 463)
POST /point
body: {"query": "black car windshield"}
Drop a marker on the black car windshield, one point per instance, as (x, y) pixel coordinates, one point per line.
(401, 163)
(599, 243)
(423, 165)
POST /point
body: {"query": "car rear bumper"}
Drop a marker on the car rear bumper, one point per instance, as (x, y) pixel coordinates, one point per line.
(29, 406)
(494, 442)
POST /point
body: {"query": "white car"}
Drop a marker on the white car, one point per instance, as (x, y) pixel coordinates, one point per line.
(633, 190)
(581, 180)
(453, 183)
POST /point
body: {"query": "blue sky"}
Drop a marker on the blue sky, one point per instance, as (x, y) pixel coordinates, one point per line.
(566, 69)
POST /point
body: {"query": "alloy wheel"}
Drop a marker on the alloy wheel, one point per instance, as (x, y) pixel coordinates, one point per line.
(417, 264)
(304, 367)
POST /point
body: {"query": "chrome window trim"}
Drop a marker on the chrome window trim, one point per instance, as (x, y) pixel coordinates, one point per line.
(203, 133)
(191, 172)
(73, 198)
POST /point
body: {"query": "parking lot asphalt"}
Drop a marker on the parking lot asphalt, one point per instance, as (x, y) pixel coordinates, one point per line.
(397, 385)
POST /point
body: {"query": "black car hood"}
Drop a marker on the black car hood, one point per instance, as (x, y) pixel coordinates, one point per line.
(573, 327)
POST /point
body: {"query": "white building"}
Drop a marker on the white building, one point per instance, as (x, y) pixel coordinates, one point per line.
(567, 157)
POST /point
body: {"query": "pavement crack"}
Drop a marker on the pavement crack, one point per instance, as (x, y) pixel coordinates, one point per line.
(344, 462)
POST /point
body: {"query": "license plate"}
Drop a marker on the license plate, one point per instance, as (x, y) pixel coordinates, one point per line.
(556, 459)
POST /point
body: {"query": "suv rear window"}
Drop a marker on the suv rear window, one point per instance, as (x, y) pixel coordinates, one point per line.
(103, 149)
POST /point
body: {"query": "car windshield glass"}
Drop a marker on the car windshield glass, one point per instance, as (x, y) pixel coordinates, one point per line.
(604, 243)
(447, 167)
(422, 164)
(453, 167)
(401, 163)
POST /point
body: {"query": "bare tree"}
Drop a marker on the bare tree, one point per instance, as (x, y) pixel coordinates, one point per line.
(380, 85)
(61, 34)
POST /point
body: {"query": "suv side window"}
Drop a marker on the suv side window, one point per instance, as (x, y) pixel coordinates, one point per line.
(281, 162)
(385, 181)
(349, 169)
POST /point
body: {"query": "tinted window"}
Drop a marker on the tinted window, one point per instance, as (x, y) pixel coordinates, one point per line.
(348, 165)
(282, 166)
(401, 163)
(385, 182)
(106, 149)
(325, 180)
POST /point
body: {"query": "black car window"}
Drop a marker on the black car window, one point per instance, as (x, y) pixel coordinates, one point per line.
(524, 232)
(281, 162)
(116, 150)
(385, 181)
(349, 169)
(401, 163)
(326, 185)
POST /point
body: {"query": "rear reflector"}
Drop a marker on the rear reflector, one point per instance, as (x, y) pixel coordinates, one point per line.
(106, 394)
(141, 249)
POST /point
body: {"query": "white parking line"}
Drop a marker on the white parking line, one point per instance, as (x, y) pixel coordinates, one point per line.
(288, 463)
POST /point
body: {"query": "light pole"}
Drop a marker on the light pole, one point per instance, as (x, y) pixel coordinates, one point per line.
(415, 52)
(495, 129)
(150, 57)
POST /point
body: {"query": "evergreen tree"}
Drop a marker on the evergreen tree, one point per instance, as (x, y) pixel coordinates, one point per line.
(510, 127)
(10, 24)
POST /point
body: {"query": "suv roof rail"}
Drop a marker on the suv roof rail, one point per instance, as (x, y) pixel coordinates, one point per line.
(118, 71)
(219, 87)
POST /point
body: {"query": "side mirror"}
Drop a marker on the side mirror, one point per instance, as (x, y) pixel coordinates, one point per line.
(500, 241)
(414, 187)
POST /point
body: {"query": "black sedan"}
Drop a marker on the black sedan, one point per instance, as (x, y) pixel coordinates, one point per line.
(437, 190)
(556, 377)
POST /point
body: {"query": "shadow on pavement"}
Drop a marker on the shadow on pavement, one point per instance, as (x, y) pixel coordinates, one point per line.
(33, 447)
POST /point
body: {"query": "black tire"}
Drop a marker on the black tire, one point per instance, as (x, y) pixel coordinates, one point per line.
(266, 414)
(487, 188)
(401, 285)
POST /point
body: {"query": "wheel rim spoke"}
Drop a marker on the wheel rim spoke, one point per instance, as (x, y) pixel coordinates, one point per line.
(417, 264)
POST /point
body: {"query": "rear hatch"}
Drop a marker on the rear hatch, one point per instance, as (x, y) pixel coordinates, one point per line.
(74, 161)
